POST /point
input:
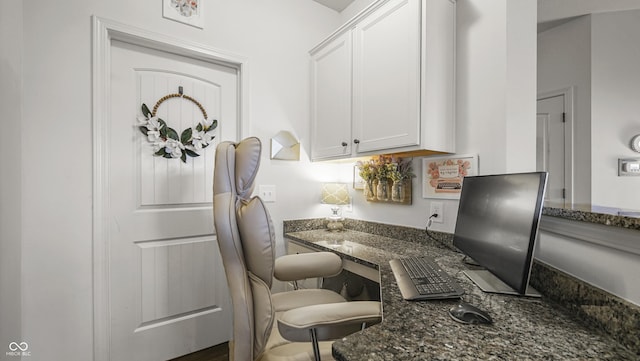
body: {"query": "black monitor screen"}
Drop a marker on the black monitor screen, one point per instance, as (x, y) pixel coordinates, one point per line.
(497, 223)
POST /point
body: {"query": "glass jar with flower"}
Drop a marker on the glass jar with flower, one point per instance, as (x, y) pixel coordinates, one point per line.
(384, 169)
(400, 173)
(368, 171)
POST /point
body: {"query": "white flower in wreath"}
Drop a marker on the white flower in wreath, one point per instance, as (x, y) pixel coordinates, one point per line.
(174, 148)
(158, 145)
(153, 135)
(206, 123)
(143, 120)
(153, 126)
(200, 139)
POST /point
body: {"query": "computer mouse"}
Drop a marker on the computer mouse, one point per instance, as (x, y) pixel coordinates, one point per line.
(466, 313)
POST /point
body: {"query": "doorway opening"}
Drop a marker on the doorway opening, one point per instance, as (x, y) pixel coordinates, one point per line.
(554, 143)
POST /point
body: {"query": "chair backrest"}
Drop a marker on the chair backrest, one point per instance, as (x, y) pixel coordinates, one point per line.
(246, 240)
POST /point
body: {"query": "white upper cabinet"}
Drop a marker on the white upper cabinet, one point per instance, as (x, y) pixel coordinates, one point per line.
(331, 99)
(386, 78)
(390, 89)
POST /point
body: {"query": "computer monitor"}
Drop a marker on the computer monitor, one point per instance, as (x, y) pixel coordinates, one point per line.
(497, 227)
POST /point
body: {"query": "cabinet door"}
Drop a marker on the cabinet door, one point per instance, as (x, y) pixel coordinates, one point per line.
(386, 92)
(331, 99)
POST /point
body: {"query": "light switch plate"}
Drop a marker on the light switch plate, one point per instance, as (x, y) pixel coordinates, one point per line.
(267, 193)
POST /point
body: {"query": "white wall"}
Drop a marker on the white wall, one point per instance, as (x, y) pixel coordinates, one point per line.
(598, 55)
(56, 155)
(10, 175)
(564, 61)
(520, 86)
(615, 105)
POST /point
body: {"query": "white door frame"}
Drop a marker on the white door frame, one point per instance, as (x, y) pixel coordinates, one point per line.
(103, 32)
(568, 94)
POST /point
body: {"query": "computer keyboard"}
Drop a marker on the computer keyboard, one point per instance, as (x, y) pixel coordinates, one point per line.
(420, 278)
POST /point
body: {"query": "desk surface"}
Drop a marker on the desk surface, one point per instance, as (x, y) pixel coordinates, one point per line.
(523, 329)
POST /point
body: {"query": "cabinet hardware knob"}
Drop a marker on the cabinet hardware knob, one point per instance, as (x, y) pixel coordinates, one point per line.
(357, 141)
(344, 144)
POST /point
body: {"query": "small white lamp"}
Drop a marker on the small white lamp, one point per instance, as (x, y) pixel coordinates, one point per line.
(336, 194)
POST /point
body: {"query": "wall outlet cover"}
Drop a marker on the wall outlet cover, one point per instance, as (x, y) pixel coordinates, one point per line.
(437, 208)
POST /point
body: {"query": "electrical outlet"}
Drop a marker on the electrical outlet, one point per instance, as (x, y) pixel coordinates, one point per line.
(267, 193)
(437, 208)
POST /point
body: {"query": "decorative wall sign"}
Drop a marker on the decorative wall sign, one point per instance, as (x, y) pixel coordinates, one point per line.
(166, 141)
(442, 177)
(185, 11)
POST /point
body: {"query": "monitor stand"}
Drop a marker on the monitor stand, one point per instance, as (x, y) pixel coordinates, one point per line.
(492, 284)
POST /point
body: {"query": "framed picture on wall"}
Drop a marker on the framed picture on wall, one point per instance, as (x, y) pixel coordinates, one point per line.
(185, 11)
(442, 177)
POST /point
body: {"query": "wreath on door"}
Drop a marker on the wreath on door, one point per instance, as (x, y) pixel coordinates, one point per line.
(166, 141)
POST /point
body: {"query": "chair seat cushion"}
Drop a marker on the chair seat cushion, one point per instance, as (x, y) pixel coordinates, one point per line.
(284, 301)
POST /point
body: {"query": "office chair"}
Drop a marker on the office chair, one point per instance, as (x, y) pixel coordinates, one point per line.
(246, 240)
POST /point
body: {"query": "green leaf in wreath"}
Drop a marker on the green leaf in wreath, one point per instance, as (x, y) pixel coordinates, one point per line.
(167, 155)
(145, 111)
(172, 134)
(191, 153)
(163, 128)
(143, 129)
(213, 126)
(161, 152)
(186, 135)
(183, 157)
(199, 127)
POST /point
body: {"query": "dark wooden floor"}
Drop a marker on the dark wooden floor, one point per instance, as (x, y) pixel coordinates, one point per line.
(215, 353)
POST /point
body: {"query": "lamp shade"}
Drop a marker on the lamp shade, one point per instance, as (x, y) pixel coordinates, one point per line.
(335, 193)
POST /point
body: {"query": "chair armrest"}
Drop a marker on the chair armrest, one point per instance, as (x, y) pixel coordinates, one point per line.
(331, 321)
(295, 267)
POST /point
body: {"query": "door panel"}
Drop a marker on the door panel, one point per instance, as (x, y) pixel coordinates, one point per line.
(168, 292)
(551, 145)
(174, 276)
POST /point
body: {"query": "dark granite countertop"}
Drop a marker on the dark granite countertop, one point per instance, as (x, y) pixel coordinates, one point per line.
(523, 328)
(608, 216)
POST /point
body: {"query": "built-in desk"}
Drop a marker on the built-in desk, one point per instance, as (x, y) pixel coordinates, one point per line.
(523, 329)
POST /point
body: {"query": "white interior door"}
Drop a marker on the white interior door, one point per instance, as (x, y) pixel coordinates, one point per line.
(550, 140)
(168, 294)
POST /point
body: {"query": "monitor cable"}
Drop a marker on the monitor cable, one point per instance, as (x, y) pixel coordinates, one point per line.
(426, 229)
